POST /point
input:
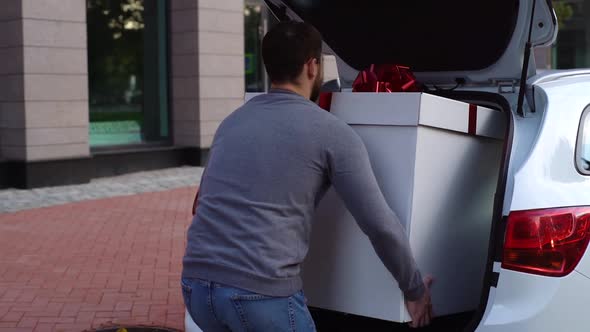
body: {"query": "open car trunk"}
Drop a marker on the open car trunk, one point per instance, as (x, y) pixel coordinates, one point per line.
(443, 174)
(439, 172)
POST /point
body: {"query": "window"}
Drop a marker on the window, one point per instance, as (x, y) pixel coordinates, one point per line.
(257, 20)
(572, 49)
(583, 149)
(127, 72)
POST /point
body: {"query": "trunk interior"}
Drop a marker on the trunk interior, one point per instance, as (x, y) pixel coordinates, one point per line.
(329, 320)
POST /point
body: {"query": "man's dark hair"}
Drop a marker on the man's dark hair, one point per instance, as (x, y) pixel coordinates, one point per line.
(287, 47)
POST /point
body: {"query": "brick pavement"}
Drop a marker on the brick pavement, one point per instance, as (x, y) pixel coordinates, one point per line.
(95, 263)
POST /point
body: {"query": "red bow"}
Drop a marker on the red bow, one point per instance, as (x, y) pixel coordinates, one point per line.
(386, 78)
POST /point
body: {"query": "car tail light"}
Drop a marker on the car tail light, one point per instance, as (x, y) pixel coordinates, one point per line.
(546, 242)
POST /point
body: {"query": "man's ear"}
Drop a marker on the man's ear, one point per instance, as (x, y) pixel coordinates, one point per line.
(313, 68)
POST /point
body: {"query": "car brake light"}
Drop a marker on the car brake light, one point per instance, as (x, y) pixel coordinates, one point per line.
(546, 242)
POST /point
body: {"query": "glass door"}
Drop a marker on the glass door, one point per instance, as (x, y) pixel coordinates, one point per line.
(257, 21)
(127, 72)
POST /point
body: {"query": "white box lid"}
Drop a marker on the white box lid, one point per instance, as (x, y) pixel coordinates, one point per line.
(418, 109)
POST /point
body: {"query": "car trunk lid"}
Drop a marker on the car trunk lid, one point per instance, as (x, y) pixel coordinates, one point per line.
(443, 42)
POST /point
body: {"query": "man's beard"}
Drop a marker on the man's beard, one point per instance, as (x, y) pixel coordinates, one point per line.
(315, 91)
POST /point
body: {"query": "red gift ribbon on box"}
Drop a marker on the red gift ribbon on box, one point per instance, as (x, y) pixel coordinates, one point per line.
(325, 100)
(386, 78)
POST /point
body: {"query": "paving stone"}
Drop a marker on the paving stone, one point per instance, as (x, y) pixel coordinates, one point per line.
(79, 242)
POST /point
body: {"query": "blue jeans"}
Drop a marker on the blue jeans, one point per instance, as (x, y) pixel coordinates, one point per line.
(215, 307)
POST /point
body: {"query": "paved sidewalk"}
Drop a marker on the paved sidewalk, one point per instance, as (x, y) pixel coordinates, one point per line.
(95, 263)
(12, 200)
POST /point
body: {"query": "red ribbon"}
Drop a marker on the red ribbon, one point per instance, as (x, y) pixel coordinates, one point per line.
(386, 78)
(472, 128)
(325, 100)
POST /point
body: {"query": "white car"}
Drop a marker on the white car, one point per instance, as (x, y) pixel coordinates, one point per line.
(537, 273)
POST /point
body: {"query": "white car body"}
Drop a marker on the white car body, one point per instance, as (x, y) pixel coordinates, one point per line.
(541, 173)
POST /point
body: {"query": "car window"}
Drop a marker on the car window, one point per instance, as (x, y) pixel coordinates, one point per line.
(583, 150)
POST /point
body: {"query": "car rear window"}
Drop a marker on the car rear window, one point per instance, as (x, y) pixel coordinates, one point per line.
(583, 149)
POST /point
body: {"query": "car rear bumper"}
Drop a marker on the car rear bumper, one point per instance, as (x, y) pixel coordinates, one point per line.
(525, 302)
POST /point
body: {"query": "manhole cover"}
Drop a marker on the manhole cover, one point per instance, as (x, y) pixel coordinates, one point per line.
(135, 329)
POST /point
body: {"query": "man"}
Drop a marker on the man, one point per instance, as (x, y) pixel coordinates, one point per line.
(271, 162)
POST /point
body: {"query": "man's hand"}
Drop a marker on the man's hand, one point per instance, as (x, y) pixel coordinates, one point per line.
(421, 310)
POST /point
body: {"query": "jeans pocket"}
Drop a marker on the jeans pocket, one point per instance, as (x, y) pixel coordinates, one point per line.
(266, 313)
(302, 313)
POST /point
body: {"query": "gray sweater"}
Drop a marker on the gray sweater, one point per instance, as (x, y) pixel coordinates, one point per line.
(271, 162)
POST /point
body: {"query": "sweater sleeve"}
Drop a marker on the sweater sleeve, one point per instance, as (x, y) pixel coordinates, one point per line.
(353, 179)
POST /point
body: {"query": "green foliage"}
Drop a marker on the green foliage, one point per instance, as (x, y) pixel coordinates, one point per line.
(115, 47)
(564, 11)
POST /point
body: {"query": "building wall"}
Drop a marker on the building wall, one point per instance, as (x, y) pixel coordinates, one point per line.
(44, 85)
(221, 63)
(542, 57)
(45, 108)
(12, 118)
(184, 74)
(207, 67)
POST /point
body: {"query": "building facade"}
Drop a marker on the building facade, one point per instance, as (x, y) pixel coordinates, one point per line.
(101, 87)
(92, 88)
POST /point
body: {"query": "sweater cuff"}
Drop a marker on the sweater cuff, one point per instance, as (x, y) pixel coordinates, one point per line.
(415, 293)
